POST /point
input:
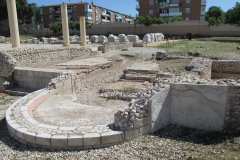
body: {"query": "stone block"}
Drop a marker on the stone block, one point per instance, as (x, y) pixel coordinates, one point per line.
(17, 72)
(74, 141)
(35, 73)
(91, 139)
(29, 73)
(41, 74)
(30, 137)
(8, 63)
(145, 129)
(131, 134)
(40, 80)
(48, 75)
(58, 85)
(112, 137)
(59, 141)
(19, 132)
(141, 122)
(24, 72)
(43, 139)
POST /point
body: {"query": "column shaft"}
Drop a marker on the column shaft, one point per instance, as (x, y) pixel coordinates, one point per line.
(13, 22)
(82, 31)
(65, 29)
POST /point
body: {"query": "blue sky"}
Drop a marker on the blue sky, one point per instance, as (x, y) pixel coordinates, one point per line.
(128, 6)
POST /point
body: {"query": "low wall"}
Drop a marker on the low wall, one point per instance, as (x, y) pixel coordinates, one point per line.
(107, 47)
(26, 57)
(225, 69)
(207, 107)
(34, 78)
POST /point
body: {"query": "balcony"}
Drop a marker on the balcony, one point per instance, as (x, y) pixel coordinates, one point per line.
(104, 14)
(171, 14)
(203, 2)
(104, 20)
(88, 18)
(127, 19)
(168, 5)
(69, 10)
(137, 7)
(118, 17)
(58, 19)
(202, 13)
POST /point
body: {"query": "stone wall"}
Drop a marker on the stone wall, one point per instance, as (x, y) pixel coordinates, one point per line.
(34, 78)
(225, 69)
(199, 106)
(26, 57)
(106, 47)
(232, 117)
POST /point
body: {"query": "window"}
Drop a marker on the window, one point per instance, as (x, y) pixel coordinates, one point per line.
(203, 8)
(187, 10)
(75, 7)
(75, 15)
(187, 1)
(50, 10)
(150, 11)
(51, 17)
(151, 2)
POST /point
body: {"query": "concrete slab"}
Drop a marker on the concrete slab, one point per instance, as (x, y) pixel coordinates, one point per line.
(144, 66)
(89, 63)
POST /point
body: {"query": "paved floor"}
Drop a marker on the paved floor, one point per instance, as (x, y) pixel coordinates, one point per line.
(61, 110)
(97, 62)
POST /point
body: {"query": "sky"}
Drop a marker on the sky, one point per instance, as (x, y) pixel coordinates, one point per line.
(129, 6)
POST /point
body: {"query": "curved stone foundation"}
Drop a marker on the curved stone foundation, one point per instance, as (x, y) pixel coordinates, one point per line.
(24, 128)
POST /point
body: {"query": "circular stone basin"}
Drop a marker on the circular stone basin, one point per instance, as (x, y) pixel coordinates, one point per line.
(61, 110)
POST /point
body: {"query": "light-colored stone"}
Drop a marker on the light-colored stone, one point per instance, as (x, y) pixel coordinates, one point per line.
(43, 139)
(91, 139)
(112, 137)
(59, 141)
(75, 141)
(7, 64)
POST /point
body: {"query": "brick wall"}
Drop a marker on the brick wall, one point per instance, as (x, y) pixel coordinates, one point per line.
(225, 69)
(232, 116)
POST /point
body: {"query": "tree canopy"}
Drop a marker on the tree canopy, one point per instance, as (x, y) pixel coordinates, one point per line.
(147, 21)
(215, 15)
(233, 15)
(24, 11)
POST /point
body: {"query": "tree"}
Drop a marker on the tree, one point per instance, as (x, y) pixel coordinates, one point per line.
(233, 15)
(148, 21)
(36, 13)
(215, 15)
(24, 11)
(56, 27)
(3, 9)
(71, 25)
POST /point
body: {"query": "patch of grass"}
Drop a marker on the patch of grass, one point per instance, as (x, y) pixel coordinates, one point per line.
(25, 37)
(219, 47)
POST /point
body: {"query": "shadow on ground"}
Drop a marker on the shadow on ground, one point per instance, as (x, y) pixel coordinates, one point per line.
(180, 133)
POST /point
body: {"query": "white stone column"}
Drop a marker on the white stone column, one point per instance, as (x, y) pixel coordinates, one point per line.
(13, 22)
(82, 31)
(65, 29)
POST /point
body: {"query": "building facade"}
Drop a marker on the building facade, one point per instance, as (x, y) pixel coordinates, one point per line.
(188, 9)
(92, 13)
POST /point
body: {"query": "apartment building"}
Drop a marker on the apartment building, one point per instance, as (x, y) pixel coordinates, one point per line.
(188, 9)
(92, 13)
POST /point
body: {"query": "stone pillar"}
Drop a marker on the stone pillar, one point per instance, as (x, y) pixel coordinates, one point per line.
(65, 29)
(82, 31)
(13, 23)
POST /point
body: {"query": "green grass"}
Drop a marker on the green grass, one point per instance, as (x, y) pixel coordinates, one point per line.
(211, 47)
(25, 37)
